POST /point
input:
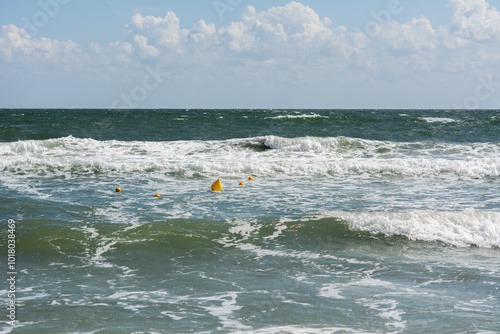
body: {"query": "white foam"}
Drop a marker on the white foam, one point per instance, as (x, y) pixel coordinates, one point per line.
(437, 119)
(245, 228)
(137, 295)
(279, 228)
(303, 330)
(174, 316)
(297, 116)
(461, 229)
(436, 281)
(331, 291)
(386, 309)
(308, 156)
(334, 290)
(222, 307)
(34, 296)
(330, 145)
(370, 281)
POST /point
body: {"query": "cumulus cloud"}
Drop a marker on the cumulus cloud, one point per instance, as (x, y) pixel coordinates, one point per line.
(290, 42)
(413, 36)
(164, 32)
(16, 45)
(291, 31)
(296, 35)
(474, 20)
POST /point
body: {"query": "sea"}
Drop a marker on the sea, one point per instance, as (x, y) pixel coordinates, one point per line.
(356, 221)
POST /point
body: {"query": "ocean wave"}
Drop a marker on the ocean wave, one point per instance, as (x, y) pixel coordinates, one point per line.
(267, 156)
(296, 116)
(302, 329)
(336, 229)
(461, 229)
(321, 145)
(368, 148)
(437, 119)
(315, 236)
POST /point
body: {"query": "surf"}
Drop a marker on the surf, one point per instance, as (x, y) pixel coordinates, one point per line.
(270, 156)
(457, 228)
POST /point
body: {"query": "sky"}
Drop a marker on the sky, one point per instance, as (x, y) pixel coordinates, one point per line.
(342, 54)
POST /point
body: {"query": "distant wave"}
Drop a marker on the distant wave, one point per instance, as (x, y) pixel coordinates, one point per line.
(296, 116)
(437, 119)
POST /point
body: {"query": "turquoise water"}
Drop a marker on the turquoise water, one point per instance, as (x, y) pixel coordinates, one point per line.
(357, 221)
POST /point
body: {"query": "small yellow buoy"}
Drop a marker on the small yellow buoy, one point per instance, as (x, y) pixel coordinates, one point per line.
(250, 178)
(217, 186)
(157, 195)
(118, 189)
(242, 184)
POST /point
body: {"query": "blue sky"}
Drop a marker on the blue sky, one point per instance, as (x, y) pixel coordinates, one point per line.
(250, 54)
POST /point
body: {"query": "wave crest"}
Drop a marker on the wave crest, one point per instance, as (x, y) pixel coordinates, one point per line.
(461, 229)
(267, 156)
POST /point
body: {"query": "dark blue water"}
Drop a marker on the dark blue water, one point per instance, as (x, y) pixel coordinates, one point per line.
(169, 125)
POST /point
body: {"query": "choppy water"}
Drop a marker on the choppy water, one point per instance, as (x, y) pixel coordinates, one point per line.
(368, 221)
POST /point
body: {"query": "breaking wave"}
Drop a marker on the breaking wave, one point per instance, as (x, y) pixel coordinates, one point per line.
(461, 229)
(269, 156)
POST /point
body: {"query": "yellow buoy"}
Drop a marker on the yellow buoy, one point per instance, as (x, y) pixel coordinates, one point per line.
(250, 178)
(242, 184)
(157, 195)
(217, 186)
(118, 189)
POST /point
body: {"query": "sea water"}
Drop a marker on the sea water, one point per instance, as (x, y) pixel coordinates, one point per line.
(356, 221)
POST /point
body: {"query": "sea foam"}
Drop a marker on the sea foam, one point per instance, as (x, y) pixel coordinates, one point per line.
(266, 156)
(462, 229)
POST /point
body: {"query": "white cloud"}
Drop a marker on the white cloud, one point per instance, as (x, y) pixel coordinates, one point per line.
(202, 34)
(413, 36)
(474, 20)
(288, 45)
(293, 31)
(163, 33)
(16, 45)
(145, 51)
